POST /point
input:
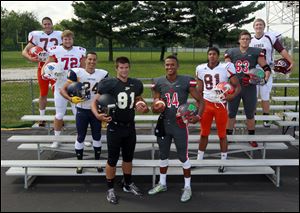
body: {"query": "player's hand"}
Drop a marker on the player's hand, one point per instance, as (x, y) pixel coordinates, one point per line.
(194, 119)
(245, 80)
(158, 106)
(103, 117)
(76, 100)
(34, 59)
(142, 107)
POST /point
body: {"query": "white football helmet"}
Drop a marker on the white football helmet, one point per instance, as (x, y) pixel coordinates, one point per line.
(43, 56)
(218, 93)
(52, 71)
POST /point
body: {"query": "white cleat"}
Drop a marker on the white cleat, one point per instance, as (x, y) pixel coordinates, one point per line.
(87, 143)
(55, 145)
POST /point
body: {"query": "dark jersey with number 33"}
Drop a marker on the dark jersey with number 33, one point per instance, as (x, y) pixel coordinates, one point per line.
(125, 94)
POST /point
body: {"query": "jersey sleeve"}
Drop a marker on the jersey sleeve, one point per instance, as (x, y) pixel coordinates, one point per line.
(32, 38)
(72, 76)
(192, 81)
(230, 68)
(106, 85)
(139, 88)
(199, 74)
(228, 54)
(154, 86)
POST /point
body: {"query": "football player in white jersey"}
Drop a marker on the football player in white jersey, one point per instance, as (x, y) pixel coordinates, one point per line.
(89, 77)
(67, 56)
(268, 41)
(44, 39)
(208, 76)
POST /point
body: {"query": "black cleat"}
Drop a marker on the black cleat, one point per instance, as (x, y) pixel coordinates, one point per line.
(112, 197)
(79, 170)
(221, 169)
(99, 169)
(42, 123)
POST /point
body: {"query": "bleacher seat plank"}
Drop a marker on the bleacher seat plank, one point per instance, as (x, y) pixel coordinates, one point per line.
(284, 98)
(145, 147)
(138, 117)
(19, 171)
(149, 138)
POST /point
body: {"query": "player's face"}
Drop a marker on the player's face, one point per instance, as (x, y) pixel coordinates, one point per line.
(47, 26)
(91, 61)
(259, 27)
(123, 70)
(213, 57)
(67, 41)
(171, 66)
(244, 41)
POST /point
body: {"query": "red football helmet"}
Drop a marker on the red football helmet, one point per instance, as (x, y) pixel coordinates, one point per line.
(39, 52)
(281, 66)
(184, 113)
(226, 87)
(34, 51)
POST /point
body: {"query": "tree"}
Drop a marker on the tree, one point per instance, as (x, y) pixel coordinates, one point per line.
(212, 18)
(16, 26)
(107, 19)
(163, 22)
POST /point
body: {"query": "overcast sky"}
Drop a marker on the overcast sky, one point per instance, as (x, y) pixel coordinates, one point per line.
(59, 10)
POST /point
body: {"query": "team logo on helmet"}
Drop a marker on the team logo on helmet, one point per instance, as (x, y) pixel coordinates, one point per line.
(184, 113)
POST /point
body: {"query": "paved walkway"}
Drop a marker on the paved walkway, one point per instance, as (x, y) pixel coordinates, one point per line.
(18, 73)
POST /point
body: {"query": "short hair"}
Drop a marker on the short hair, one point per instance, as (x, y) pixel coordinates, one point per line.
(213, 49)
(67, 33)
(244, 32)
(92, 53)
(172, 57)
(259, 20)
(47, 18)
(122, 60)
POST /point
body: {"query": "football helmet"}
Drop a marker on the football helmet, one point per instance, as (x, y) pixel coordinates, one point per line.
(52, 71)
(78, 89)
(218, 93)
(257, 76)
(184, 113)
(38, 52)
(281, 66)
(107, 104)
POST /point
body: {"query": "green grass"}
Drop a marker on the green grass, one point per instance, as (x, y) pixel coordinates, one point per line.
(16, 96)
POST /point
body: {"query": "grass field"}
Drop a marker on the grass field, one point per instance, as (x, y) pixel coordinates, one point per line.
(16, 96)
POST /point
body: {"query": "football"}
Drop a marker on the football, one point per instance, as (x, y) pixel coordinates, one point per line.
(159, 105)
(281, 66)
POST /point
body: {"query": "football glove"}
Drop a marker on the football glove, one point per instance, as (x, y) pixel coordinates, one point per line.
(245, 80)
(76, 100)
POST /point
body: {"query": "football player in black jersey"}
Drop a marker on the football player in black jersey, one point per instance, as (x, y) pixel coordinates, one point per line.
(121, 133)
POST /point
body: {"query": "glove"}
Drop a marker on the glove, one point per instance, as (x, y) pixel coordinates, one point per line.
(245, 80)
(76, 100)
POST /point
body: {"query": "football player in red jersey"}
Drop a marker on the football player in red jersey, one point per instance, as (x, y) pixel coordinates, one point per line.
(44, 39)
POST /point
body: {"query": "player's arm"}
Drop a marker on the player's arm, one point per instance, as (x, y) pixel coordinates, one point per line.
(263, 64)
(26, 55)
(234, 81)
(64, 92)
(197, 94)
(94, 108)
(140, 105)
(158, 105)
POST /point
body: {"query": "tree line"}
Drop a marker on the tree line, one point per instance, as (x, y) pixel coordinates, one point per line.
(162, 24)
